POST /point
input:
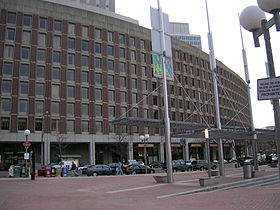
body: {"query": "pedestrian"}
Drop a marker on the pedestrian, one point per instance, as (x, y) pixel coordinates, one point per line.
(73, 169)
(11, 171)
(119, 170)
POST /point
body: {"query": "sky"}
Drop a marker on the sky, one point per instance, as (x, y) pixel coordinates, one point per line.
(224, 23)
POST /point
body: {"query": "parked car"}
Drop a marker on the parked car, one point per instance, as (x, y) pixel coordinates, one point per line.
(179, 165)
(114, 166)
(84, 168)
(156, 164)
(202, 165)
(139, 169)
(99, 170)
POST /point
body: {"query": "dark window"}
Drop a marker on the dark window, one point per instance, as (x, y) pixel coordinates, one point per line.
(10, 34)
(110, 51)
(43, 23)
(110, 65)
(41, 55)
(84, 61)
(56, 57)
(71, 43)
(98, 78)
(57, 25)
(8, 68)
(24, 70)
(22, 123)
(85, 45)
(27, 20)
(5, 123)
(11, 18)
(25, 53)
(55, 73)
(71, 75)
(84, 76)
(97, 48)
(98, 63)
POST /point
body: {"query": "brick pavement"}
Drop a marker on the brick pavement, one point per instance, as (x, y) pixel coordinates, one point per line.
(135, 192)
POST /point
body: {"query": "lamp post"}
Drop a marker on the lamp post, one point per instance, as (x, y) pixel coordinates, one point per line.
(253, 19)
(144, 139)
(26, 133)
(206, 136)
(43, 133)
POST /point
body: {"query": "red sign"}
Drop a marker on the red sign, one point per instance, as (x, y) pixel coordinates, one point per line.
(26, 144)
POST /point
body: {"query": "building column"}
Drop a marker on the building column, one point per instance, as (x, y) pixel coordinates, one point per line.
(161, 152)
(47, 150)
(92, 151)
(187, 152)
(130, 150)
(233, 153)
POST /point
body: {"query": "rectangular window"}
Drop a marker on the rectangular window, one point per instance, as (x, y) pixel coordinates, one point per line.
(122, 67)
(57, 41)
(71, 59)
(84, 76)
(122, 82)
(71, 29)
(8, 68)
(110, 36)
(70, 75)
(111, 95)
(84, 109)
(25, 53)
(40, 72)
(56, 73)
(38, 124)
(57, 25)
(98, 110)
(10, 34)
(98, 78)
(98, 94)
(41, 55)
(27, 20)
(132, 41)
(98, 63)
(56, 57)
(121, 39)
(54, 125)
(98, 48)
(22, 123)
(110, 50)
(39, 107)
(133, 55)
(110, 65)
(70, 125)
(97, 33)
(123, 111)
(6, 86)
(24, 70)
(23, 88)
(134, 98)
(134, 83)
(143, 57)
(9, 51)
(122, 52)
(22, 106)
(123, 97)
(85, 45)
(39, 89)
(84, 126)
(99, 127)
(41, 40)
(133, 69)
(84, 31)
(5, 123)
(26, 37)
(145, 113)
(70, 92)
(84, 61)
(6, 105)
(144, 85)
(84, 93)
(43, 23)
(144, 71)
(55, 91)
(142, 44)
(55, 108)
(111, 80)
(111, 110)
(11, 18)
(70, 108)
(71, 43)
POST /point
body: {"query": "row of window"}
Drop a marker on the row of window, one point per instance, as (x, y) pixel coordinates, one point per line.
(57, 27)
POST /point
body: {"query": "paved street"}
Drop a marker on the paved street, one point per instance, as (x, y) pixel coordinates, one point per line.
(137, 192)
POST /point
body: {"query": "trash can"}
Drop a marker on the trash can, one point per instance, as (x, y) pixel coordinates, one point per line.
(47, 171)
(53, 172)
(247, 171)
(17, 171)
(64, 172)
(23, 172)
(58, 172)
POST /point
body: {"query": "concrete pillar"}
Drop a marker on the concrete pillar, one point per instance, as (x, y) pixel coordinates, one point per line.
(47, 150)
(204, 151)
(92, 151)
(130, 150)
(161, 152)
(187, 151)
(233, 153)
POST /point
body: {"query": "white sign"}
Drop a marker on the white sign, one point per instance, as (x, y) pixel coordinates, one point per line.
(269, 88)
(26, 156)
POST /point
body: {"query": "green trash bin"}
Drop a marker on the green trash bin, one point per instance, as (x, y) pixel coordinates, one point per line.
(23, 172)
(17, 171)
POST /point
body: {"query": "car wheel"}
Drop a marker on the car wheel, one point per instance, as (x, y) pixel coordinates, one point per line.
(133, 173)
(189, 169)
(202, 168)
(94, 174)
(214, 167)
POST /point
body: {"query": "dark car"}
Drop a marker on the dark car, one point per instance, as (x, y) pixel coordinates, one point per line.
(99, 170)
(114, 166)
(156, 164)
(138, 169)
(202, 165)
(179, 165)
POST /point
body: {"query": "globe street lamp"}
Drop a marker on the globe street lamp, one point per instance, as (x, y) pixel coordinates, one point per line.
(144, 139)
(253, 19)
(26, 133)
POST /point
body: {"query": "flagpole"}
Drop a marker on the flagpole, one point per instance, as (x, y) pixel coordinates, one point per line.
(213, 68)
(166, 114)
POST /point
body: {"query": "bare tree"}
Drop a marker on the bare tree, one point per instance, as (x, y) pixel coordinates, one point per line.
(61, 144)
(121, 140)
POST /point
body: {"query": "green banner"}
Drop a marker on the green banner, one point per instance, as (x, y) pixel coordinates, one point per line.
(157, 67)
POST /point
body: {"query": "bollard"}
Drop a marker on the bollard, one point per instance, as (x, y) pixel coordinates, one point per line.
(247, 171)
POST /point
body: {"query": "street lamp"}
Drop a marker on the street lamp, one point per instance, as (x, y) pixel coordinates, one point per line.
(46, 114)
(144, 139)
(26, 133)
(253, 19)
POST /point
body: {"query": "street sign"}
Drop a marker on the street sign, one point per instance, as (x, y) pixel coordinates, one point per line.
(26, 156)
(26, 144)
(269, 88)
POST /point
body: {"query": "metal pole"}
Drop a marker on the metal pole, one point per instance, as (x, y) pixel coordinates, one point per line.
(271, 68)
(215, 85)
(26, 150)
(166, 115)
(206, 135)
(33, 164)
(255, 146)
(42, 139)
(145, 155)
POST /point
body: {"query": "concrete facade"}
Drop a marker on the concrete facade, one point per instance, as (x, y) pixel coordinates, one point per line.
(97, 68)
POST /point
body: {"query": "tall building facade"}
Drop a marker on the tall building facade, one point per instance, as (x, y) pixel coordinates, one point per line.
(66, 73)
(181, 31)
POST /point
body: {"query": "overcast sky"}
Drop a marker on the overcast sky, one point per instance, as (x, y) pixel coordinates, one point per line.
(226, 36)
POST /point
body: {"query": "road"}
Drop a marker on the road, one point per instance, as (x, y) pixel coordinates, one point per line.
(136, 192)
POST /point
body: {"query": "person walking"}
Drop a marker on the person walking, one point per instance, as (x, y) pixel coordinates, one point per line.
(119, 170)
(73, 169)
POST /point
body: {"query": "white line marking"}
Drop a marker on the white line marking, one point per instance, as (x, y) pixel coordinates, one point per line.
(136, 188)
